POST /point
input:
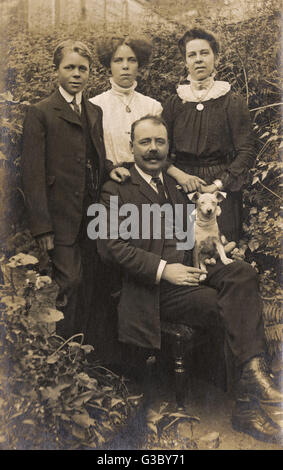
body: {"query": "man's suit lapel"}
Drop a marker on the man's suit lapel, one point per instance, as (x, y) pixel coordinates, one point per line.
(63, 109)
(148, 191)
(91, 112)
(144, 187)
(171, 189)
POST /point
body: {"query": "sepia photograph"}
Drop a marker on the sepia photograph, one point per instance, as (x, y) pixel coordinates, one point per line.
(141, 228)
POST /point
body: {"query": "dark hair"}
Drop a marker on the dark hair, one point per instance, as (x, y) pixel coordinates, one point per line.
(107, 48)
(198, 33)
(71, 45)
(157, 120)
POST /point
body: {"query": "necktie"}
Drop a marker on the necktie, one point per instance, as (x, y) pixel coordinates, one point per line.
(76, 106)
(160, 188)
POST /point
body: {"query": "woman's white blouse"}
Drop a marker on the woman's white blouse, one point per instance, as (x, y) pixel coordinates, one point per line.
(117, 121)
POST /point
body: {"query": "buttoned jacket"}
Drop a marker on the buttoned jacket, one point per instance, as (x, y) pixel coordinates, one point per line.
(139, 258)
(54, 166)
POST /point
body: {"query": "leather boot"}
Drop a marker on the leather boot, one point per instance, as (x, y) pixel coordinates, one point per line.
(256, 382)
(248, 417)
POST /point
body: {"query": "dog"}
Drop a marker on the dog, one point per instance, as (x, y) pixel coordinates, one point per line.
(208, 244)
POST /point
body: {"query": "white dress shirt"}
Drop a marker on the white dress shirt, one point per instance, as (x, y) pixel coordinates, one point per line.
(69, 98)
(148, 179)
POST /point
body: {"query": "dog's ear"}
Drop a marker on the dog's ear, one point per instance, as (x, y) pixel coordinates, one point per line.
(193, 196)
(220, 195)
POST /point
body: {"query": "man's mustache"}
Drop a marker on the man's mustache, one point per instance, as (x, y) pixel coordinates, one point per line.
(153, 154)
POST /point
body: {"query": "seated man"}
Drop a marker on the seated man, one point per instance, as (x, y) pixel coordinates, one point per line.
(159, 282)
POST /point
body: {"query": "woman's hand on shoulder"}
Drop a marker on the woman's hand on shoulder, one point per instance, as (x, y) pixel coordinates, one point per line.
(119, 174)
(208, 188)
(190, 183)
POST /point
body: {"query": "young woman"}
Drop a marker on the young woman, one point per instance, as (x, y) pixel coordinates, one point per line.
(210, 131)
(122, 105)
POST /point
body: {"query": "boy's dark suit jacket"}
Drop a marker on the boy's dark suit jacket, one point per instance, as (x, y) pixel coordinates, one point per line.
(139, 317)
(53, 164)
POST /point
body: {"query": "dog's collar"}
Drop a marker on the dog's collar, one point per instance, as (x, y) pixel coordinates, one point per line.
(204, 223)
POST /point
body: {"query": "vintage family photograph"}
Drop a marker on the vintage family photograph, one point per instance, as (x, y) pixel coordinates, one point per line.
(140, 227)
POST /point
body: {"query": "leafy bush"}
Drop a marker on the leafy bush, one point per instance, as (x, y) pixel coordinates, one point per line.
(51, 397)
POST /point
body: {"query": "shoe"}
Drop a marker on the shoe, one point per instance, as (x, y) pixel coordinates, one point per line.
(249, 418)
(256, 382)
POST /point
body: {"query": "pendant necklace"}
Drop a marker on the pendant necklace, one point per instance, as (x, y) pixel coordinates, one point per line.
(199, 105)
(127, 106)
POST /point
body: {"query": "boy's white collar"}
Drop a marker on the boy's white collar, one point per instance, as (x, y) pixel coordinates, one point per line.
(69, 98)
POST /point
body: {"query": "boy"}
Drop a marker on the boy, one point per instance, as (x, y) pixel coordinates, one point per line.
(63, 169)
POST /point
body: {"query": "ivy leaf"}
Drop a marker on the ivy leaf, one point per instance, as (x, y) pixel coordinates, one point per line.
(264, 135)
(78, 432)
(253, 245)
(21, 259)
(82, 399)
(87, 348)
(53, 393)
(272, 138)
(50, 315)
(42, 281)
(184, 416)
(116, 401)
(86, 381)
(255, 180)
(52, 359)
(83, 420)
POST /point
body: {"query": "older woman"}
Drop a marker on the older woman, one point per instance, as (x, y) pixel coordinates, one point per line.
(122, 105)
(210, 131)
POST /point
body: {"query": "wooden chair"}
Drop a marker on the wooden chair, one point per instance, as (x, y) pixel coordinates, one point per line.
(180, 339)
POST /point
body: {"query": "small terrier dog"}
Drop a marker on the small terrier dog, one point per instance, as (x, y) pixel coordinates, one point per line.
(207, 235)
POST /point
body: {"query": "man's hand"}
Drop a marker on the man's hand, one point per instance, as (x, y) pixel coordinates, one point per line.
(46, 242)
(119, 174)
(182, 275)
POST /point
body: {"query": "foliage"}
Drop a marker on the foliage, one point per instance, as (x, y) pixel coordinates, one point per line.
(51, 397)
(164, 426)
(249, 61)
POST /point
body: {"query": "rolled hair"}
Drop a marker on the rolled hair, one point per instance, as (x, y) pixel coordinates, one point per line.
(198, 33)
(107, 48)
(73, 46)
(157, 120)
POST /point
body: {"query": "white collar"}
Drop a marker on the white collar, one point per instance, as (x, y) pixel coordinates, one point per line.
(120, 90)
(218, 89)
(69, 98)
(146, 176)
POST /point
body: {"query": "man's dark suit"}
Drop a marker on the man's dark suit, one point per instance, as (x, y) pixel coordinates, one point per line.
(143, 302)
(57, 144)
